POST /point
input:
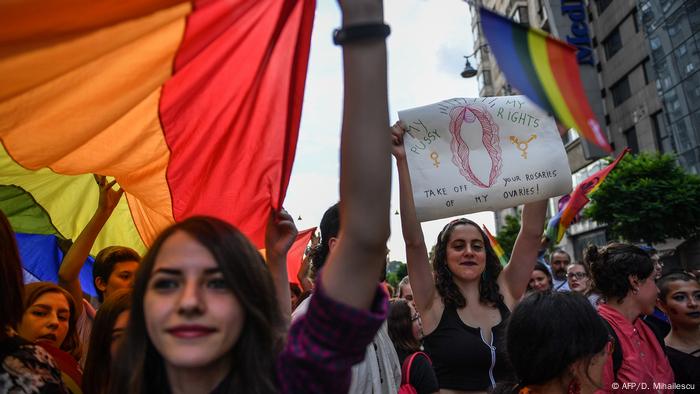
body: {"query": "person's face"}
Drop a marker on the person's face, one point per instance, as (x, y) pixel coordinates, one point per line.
(407, 293)
(417, 326)
(658, 266)
(118, 332)
(647, 294)
(294, 299)
(682, 303)
(192, 316)
(122, 277)
(466, 253)
(559, 261)
(578, 278)
(46, 319)
(539, 281)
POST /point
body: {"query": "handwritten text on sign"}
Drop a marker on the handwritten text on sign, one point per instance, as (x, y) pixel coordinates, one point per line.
(474, 154)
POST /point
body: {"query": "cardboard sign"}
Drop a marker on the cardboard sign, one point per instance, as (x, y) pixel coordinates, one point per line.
(475, 154)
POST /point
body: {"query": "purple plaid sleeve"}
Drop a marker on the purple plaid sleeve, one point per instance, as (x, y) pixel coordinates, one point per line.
(326, 342)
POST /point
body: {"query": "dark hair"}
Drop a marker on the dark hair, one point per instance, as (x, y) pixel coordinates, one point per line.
(330, 226)
(32, 292)
(446, 287)
(541, 348)
(140, 368)
(99, 358)
(559, 251)
(294, 289)
(612, 265)
(400, 326)
(543, 268)
(11, 281)
(664, 282)
(105, 262)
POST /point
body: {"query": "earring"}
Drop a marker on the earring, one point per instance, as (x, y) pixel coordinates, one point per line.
(635, 290)
(574, 387)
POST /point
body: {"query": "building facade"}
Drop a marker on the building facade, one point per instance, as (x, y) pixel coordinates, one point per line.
(645, 59)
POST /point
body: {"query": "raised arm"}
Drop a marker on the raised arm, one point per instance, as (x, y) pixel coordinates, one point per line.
(303, 274)
(279, 237)
(515, 276)
(73, 261)
(351, 273)
(419, 269)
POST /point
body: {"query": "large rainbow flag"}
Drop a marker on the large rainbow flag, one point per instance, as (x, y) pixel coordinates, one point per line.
(578, 199)
(545, 70)
(193, 106)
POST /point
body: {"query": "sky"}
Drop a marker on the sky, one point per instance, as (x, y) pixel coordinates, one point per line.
(425, 57)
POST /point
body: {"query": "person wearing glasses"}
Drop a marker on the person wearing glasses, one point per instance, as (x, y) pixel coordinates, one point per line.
(579, 278)
(535, 345)
(406, 333)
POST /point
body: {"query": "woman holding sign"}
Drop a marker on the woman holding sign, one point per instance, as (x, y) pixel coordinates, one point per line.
(465, 304)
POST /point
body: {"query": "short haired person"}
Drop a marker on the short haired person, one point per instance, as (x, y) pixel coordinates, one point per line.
(403, 289)
(114, 266)
(558, 261)
(679, 298)
(380, 371)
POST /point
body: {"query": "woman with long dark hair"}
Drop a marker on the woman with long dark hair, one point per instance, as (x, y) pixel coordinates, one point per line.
(465, 304)
(105, 339)
(624, 274)
(540, 279)
(405, 333)
(565, 354)
(206, 314)
(24, 367)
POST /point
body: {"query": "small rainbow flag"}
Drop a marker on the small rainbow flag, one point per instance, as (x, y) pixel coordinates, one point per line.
(545, 70)
(496, 247)
(579, 198)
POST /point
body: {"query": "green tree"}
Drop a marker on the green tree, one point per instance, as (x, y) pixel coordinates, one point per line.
(649, 198)
(393, 278)
(508, 233)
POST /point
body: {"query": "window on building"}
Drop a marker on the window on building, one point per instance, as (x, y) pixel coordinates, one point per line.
(601, 5)
(612, 43)
(635, 20)
(632, 142)
(620, 91)
(664, 142)
(649, 73)
(520, 15)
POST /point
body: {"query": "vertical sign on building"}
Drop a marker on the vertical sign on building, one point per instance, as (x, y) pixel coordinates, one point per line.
(569, 22)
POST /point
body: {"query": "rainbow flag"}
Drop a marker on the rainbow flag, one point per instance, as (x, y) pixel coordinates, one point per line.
(578, 199)
(496, 247)
(192, 106)
(545, 70)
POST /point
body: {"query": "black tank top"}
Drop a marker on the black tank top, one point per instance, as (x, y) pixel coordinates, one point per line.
(462, 359)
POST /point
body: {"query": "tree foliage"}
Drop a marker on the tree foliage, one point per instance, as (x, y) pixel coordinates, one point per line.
(649, 198)
(393, 278)
(508, 233)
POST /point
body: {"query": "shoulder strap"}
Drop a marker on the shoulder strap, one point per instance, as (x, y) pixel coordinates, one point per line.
(406, 367)
(617, 352)
(657, 332)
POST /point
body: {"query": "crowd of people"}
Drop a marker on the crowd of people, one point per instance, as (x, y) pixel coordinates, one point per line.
(203, 312)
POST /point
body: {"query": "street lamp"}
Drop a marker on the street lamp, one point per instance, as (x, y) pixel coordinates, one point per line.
(470, 71)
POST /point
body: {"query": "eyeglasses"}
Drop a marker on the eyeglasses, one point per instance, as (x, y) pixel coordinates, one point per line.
(577, 275)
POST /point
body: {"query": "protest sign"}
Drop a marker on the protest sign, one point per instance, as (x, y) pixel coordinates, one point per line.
(475, 154)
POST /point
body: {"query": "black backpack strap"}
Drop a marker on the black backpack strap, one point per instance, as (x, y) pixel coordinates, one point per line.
(659, 331)
(617, 351)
